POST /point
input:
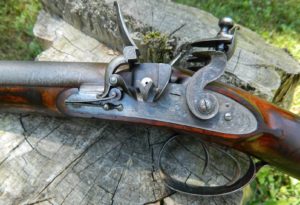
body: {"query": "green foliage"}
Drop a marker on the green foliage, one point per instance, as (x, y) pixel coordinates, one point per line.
(16, 23)
(276, 20)
(158, 47)
(274, 188)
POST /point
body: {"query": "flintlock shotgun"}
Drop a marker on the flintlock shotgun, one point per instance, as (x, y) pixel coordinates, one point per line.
(159, 95)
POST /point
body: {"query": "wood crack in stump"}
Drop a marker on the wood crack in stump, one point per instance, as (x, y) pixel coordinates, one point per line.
(116, 189)
(11, 151)
(47, 135)
(237, 61)
(150, 146)
(73, 162)
(102, 157)
(71, 43)
(41, 201)
(63, 52)
(73, 188)
(94, 180)
(160, 200)
(26, 134)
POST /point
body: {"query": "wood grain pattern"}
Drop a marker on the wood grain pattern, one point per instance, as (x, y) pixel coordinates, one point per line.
(47, 160)
(30, 99)
(276, 140)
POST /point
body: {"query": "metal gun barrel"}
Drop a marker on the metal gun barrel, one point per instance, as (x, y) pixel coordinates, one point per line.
(36, 86)
(50, 73)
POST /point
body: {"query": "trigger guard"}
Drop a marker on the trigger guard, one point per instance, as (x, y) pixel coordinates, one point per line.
(182, 187)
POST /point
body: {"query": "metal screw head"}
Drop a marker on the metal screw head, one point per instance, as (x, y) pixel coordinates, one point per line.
(120, 108)
(205, 105)
(146, 81)
(228, 116)
(106, 107)
(113, 80)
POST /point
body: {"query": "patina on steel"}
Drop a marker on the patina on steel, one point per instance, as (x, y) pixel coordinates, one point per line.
(171, 108)
(195, 89)
(224, 44)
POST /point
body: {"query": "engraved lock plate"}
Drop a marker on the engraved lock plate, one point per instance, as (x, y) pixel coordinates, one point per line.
(172, 108)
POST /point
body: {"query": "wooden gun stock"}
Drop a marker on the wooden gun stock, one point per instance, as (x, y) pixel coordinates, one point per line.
(39, 86)
(276, 140)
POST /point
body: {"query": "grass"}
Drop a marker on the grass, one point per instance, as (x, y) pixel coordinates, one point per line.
(17, 19)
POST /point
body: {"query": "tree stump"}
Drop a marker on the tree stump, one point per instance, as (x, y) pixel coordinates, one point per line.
(46, 160)
(264, 70)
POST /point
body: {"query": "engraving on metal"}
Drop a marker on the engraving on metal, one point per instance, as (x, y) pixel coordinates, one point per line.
(200, 79)
(172, 108)
(92, 96)
(224, 45)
